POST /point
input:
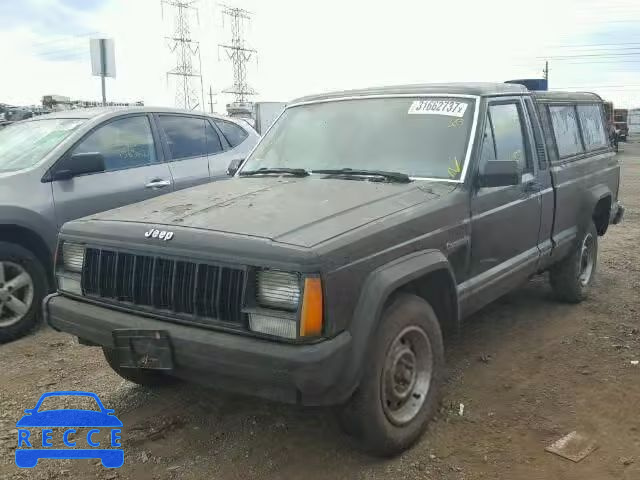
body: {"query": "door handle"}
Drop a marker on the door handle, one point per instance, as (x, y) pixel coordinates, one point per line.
(157, 183)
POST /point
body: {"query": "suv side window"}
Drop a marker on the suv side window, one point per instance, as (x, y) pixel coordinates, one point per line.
(565, 129)
(591, 122)
(189, 136)
(508, 134)
(232, 132)
(124, 143)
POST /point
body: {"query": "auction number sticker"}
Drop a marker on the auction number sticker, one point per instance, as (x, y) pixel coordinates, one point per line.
(438, 107)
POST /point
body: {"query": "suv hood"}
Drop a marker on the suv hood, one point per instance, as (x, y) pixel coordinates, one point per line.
(296, 211)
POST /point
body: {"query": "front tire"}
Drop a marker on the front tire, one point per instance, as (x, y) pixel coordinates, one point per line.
(399, 390)
(571, 278)
(23, 285)
(141, 376)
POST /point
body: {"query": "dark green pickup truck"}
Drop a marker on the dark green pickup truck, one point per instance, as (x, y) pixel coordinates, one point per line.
(364, 226)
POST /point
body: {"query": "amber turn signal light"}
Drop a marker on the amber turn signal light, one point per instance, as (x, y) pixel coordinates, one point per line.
(312, 314)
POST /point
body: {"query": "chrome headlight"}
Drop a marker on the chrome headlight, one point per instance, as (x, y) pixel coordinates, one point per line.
(277, 289)
(73, 257)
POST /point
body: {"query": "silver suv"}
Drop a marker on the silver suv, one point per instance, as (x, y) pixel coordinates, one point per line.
(66, 165)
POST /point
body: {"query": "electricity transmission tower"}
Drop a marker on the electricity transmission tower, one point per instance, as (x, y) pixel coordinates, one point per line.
(237, 52)
(187, 77)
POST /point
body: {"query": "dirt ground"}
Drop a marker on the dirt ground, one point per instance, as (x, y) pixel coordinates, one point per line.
(527, 369)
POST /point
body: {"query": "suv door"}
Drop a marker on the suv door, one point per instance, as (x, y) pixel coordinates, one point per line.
(505, 221)
(190, 142)
(134, 170)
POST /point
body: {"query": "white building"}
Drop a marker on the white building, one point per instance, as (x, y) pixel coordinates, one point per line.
(633, 121)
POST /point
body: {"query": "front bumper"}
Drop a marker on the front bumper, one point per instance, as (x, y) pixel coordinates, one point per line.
(306, 374)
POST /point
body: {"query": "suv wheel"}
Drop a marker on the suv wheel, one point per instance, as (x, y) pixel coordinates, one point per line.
(399, 391)
(23, 285)
(141, 376)
(572, 277)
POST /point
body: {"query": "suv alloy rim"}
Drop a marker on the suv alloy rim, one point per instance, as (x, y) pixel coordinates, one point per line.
(406, 376)
(16, 293)
(586, 260)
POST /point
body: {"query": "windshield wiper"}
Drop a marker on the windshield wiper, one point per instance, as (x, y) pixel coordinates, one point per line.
(391, 176)
(296, 172)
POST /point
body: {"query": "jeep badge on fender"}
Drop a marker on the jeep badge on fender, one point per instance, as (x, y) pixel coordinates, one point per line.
(159, 234)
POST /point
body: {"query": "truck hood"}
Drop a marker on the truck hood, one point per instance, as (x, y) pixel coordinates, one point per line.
(297, 211)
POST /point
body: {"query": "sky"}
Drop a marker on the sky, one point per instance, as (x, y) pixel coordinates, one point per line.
(309, 47)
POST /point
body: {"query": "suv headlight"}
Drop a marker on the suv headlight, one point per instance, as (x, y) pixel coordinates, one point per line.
(73, 257)
(277, 289)
(292, 306)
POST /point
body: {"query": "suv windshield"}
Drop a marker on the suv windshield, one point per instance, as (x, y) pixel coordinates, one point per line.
(422, 137)
(22, 145)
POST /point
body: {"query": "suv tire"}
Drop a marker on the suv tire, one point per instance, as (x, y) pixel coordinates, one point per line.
(572, 277)
(23, 285)
(399, 391)
(141, 376)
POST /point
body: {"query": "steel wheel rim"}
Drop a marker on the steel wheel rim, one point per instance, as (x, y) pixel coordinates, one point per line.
(586, 260)
(406, 376)
(16, 293)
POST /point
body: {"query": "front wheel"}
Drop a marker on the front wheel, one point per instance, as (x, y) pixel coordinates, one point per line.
(571, 278)
(23, 285)
(399, 391)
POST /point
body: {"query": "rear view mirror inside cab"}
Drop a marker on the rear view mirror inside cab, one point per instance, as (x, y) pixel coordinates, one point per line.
(500, 173)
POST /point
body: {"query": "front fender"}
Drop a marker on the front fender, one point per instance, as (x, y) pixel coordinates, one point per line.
(377, 288)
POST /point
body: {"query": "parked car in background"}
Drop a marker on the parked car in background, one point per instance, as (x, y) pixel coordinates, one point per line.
(364, 225)
(62, 166)
(620, 116)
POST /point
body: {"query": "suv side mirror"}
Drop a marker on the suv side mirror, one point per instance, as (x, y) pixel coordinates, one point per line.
(500, 173)
(233, 167)
(78, 164)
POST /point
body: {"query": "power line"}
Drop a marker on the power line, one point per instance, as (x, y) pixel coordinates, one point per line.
(238, 53)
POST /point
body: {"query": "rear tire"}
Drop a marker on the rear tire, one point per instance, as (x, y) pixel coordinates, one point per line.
(141, 376)
(571, 278)
(400, 387)
(23, 285)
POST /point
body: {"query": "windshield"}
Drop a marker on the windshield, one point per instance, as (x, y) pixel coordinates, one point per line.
(22, 145)
(422, 137)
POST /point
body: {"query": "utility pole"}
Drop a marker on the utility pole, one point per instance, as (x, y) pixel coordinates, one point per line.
(187, 52)
(238, 52)
(545, 72)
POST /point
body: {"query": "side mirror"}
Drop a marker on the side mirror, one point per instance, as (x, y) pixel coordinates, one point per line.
(78, 164)
(500, 173)
(233, 167)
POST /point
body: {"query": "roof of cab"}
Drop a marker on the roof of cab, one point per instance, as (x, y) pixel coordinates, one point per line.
(476, 89)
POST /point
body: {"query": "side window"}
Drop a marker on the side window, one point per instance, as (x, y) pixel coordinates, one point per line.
(565, 129)
(124, 143)
(591, 122)
(507, 132)
(232, 132)
(186, 136)
(213, 140)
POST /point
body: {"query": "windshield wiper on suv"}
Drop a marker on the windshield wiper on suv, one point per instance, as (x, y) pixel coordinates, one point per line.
(296, 172)
(391, 176)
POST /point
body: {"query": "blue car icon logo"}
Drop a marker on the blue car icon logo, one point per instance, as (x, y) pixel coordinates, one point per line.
(35, 433)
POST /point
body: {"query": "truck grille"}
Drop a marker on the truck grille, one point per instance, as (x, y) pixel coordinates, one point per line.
(199, 291)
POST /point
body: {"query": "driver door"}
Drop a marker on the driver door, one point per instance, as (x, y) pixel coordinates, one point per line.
(134, 170)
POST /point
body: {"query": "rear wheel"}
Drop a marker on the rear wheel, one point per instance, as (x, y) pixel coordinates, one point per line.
(571, 278)
(141, 376)
(23, 285)
(399, 390)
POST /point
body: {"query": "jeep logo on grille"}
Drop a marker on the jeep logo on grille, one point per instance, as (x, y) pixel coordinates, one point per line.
(159, 234)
